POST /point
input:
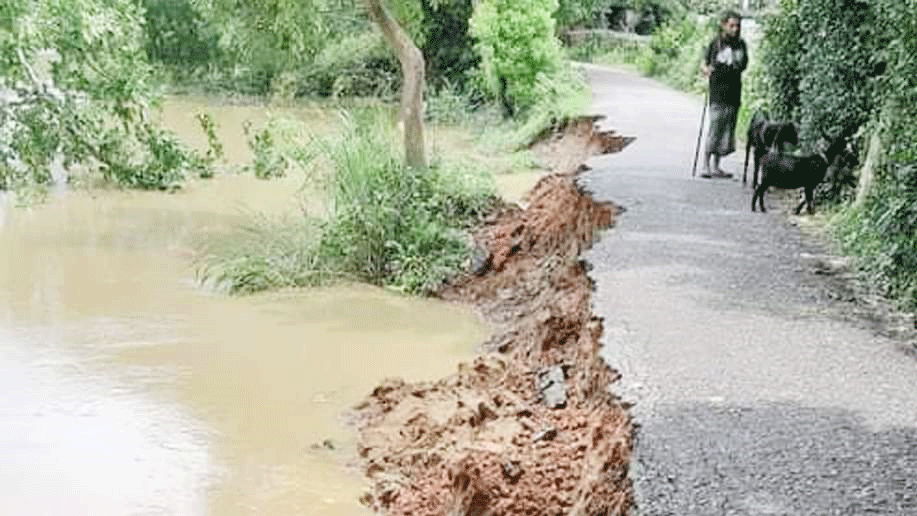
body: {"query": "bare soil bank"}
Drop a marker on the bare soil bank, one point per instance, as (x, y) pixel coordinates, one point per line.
(530, 426)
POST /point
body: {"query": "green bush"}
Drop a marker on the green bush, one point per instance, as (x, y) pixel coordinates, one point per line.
(881, 229)
(448, 47)
(277, 148)
(265, 254)
(392, 224)
(780, 54)
(834, 87)
(517, 45)
(880, 232)
(177, 36)
(561, 96)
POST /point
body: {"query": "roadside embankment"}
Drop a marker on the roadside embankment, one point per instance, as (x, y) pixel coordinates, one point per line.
(531, 425)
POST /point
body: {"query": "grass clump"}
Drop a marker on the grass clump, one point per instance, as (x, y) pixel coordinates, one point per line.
(265, 254)
(386, 224)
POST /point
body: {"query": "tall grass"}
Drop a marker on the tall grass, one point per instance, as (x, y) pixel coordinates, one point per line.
(387, 224)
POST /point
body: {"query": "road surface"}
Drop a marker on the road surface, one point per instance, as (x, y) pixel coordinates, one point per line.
(755, 394)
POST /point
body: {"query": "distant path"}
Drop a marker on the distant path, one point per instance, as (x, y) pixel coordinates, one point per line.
(754, 395)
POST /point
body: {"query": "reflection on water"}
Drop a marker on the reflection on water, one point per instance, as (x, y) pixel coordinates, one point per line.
(126, 389)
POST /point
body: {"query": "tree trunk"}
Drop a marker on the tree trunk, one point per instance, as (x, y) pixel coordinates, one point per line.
(412, 69)
(868, 172)
(874, 150)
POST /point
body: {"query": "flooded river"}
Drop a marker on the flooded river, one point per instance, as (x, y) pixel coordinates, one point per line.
(127, 389)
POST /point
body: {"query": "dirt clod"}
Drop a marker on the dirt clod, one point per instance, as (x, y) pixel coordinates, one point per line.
(530, 426)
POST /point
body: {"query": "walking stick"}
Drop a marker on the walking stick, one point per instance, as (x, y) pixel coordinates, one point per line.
(703, 115)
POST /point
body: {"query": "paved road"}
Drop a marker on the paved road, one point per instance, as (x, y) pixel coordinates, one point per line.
(753, 395)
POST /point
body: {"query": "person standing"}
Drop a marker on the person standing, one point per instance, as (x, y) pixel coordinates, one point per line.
(724, 62)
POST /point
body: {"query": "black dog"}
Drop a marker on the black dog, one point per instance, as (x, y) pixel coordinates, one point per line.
(764, 135)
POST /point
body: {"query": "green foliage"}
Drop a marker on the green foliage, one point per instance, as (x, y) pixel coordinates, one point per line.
(277, 148)
(561, 96)
(265, 254)
(214, 145)
(717, 7)
(260, 39)
(518, 49)
(395, 225)
(780, 55)
(448, 105)
(165, 165)
(838, 47)
(582, 13)
(881, 234)
(79, 85)
(387, 224)
(898, 84)
(448, 48)
(317, 47)
(881, 230)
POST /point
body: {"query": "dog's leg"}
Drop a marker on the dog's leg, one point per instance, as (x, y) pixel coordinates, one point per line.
(808, 200)
(754, 173)
(747, 150)
(754, 198)
(759, 196)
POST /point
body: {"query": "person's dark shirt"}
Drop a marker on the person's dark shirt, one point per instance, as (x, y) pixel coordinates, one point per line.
(728, 57)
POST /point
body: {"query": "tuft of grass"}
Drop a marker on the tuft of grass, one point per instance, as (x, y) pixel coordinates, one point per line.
(264, 254)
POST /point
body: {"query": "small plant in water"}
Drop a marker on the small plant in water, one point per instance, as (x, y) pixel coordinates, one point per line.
(267, 160)
(214, 146)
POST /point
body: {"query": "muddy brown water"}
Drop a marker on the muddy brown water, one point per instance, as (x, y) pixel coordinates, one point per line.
(126, 388)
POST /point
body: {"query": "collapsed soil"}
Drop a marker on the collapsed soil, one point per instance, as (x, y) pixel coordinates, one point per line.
(531, 425)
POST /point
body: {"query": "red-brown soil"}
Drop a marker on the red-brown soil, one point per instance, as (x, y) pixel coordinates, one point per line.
(495, 438)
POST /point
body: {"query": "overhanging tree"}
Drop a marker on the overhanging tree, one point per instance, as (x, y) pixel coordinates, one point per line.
(76, 85)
